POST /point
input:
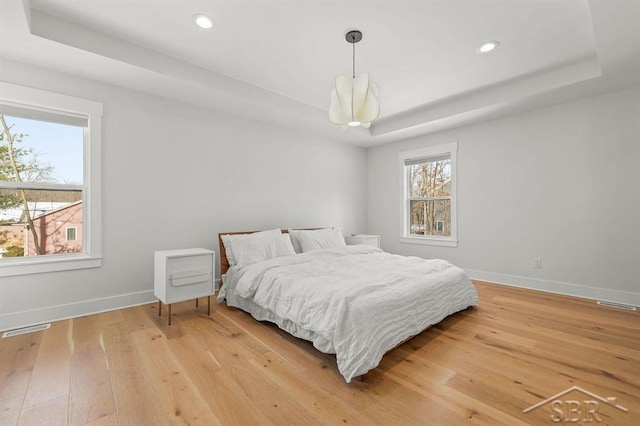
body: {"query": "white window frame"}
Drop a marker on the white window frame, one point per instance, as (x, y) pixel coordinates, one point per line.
(450, 149)
(91, 256)
(75, 233)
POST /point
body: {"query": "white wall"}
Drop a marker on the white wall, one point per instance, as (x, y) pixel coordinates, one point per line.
(173, 177)
(560, 183)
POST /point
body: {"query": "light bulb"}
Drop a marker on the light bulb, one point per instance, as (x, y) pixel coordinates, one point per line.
(203, 21)
(488, 47)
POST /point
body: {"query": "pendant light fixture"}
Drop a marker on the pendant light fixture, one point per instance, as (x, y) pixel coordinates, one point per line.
(354, 101)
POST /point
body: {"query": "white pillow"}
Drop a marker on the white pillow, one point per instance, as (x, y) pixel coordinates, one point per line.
(284, 246)
(295, 241)
(248, 251)
(320, 239)
(229, 249)
(253, 250)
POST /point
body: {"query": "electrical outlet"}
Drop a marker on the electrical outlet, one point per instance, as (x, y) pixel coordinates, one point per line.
(537, 263)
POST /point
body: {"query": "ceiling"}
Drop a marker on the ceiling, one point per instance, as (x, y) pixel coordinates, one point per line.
(276, 60)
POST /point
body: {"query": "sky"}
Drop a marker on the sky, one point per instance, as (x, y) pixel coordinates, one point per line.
(57, 145)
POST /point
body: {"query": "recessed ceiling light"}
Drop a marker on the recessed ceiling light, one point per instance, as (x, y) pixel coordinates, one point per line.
(203, 21)
(488, 46)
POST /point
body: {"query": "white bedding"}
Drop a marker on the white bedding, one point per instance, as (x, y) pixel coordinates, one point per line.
(355, 301)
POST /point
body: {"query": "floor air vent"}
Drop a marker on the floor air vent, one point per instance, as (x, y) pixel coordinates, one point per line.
(26, 330)
(616, 305)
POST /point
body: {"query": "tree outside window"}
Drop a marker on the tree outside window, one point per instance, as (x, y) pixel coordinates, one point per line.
(40, 176)
(430, 197)
(428, 188)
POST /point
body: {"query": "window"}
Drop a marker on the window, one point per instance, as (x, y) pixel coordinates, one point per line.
(71, 234)
(49, 181)
(428, 188)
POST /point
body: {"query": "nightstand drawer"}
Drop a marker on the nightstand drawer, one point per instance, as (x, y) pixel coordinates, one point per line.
(191, 277)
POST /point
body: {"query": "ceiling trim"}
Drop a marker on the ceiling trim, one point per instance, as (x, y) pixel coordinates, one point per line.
(155, 73)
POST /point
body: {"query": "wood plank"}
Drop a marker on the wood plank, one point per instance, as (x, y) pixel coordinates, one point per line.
(10, 410)
(268, 399)
(404, 364)
(224, 396)
(51, 372)
(518, 368)
(141, 317)
(136, 400)
(297, 352)
(539, 333)
(501, 370)
(320, 402)
(18, 355)
(420, 406)
(181, 402)
(106, 319)
(90, 394)
(48, 412)
(493, 395)
(110, 420)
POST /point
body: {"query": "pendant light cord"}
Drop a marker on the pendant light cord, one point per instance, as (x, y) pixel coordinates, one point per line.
(353, 44)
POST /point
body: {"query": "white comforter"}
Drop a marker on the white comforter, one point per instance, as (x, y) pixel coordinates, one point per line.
(357, 301)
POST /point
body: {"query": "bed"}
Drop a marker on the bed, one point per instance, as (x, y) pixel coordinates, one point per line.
(356, 302)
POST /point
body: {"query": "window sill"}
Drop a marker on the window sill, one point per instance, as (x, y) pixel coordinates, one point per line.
(55, 263)
(434, 241)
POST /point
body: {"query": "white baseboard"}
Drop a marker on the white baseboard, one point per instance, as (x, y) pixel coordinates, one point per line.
(72, 310)
(558, 287)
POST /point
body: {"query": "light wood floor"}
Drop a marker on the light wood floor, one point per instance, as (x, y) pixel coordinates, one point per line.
(482, 366)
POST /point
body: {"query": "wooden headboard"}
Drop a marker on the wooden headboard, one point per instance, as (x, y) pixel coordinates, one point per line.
(224, 262)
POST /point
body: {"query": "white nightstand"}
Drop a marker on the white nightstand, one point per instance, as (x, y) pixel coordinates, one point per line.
(183, 275)
(369, 240)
